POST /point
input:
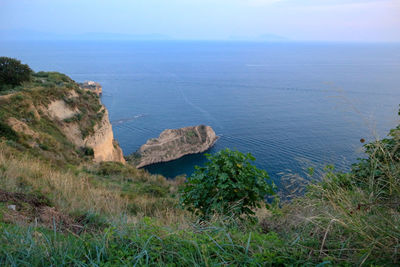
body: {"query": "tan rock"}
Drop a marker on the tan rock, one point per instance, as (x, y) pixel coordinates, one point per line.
(73, 133)
(21, 127)
(34, 111)
(60, 111)
(102, 141)
(176, 143)
(6, 97)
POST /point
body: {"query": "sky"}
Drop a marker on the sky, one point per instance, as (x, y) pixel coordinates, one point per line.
(292, 20)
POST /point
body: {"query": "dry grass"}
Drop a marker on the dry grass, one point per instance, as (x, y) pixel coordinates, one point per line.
(78, 192)
(352, 217)
(68, 191)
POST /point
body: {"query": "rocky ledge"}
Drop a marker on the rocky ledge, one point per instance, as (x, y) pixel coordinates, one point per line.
(173, 144)
(92, 86)
(105, 147)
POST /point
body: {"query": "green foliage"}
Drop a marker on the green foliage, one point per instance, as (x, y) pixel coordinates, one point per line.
(13, 72)
(7, 132)
(108, 168)
(92, 220)
(41, 74)
(88, 151)
(228, 184)
(191, 134)
(77, 117)
(379, 173)
(145, 244)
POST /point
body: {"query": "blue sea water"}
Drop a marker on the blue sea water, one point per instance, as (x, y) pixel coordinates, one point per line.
(292, 105)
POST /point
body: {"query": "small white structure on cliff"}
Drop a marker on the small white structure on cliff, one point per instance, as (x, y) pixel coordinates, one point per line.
(92, 86)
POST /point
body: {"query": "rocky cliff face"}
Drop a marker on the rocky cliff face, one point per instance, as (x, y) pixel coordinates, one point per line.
(176, 143)
(55, 118)
(102, 141)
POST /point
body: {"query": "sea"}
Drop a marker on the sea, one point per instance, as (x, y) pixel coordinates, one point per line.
(291, 105)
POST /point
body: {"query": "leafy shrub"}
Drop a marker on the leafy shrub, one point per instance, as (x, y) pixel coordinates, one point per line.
(41, 74)
(77, 117)
(154, 190)
(108, 168)
(13, 72)
(92, 220)
(7, 132)
(88, 151)
(44, 147)
(228, 183)
(379, 173)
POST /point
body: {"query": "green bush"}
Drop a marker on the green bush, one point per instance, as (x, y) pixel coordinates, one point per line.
(88, 151)
(379, 173)
(41, 74)
(13, 72)
(228, 184)
(107, 168)
(7, 132)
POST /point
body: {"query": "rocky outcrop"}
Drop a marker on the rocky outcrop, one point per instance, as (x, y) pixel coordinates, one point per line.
(102, 141)
(60, 111)
(175, 143)
(21, 127)
(92, 86)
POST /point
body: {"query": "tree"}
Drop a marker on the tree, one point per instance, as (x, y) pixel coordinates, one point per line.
(228, 183)
(13, 72)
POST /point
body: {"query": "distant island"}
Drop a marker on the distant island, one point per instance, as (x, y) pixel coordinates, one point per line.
(173, 144)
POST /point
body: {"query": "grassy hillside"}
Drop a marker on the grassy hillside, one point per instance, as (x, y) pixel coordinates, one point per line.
(57, 209)
(39, 134)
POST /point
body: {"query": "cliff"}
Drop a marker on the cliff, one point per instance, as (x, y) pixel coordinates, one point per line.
(105, 147)
(53, 117)
(101, 140)
(92, 86)
(173, 144)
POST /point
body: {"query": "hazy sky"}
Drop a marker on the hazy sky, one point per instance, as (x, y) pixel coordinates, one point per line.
(324, 20)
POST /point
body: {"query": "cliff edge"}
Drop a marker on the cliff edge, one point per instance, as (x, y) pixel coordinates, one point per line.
(173, 144)
(54, 118)
(101, 139)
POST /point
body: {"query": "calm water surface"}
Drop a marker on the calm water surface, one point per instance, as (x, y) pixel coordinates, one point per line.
(291, 105)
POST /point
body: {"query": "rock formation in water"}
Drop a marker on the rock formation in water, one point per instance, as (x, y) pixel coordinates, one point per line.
(174, 144)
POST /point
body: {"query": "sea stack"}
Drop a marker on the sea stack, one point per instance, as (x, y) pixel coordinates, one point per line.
(173, 144)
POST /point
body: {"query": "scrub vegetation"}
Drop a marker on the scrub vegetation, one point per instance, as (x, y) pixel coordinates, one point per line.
(25, 107)
(13, 73)
(77, 212)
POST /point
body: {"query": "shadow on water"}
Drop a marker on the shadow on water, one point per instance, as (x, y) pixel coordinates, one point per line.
(181, 166)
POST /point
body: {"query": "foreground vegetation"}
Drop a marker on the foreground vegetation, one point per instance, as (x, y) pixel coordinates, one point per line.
(59, 208)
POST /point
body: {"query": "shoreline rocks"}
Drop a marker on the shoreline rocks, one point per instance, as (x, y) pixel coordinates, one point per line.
(173, 144)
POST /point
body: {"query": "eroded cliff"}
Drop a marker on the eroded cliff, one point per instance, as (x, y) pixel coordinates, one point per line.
(173, 144)
(53, 117)
(101, 140)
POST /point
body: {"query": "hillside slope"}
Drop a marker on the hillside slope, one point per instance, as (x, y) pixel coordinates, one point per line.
(53, 118)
